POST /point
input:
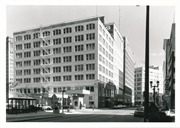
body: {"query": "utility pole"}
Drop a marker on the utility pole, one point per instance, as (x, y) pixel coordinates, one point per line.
(147, 66)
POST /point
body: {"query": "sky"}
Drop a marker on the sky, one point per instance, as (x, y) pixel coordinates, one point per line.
(129, 19)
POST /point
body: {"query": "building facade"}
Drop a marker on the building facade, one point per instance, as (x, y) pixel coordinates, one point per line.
(82, 57)
(169, 70)
(155, 74)
(128, 71)
(9, 66)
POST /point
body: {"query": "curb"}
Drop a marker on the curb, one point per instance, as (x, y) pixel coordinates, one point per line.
(27, 118)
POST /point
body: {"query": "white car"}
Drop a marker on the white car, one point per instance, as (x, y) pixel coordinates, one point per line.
(45, 107)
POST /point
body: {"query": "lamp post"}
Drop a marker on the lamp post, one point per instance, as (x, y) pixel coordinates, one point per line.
(63, 90)
(154, 88)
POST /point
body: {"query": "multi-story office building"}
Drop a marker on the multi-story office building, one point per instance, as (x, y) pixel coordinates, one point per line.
(9, 66)
(169, 70)
(155, 74)
(84, 57)
(128, 71)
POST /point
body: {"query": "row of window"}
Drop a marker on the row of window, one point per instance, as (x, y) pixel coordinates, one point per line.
(89, 67)
(105, 35)
(56, 32)
(55, 90)
(105, 62)
(105, 71)
(81, 57)
(57, 78)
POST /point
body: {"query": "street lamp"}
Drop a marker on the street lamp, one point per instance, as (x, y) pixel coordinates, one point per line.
(154, 88)
(63, 90)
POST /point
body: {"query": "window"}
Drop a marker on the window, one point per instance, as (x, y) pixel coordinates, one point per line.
(37, 62)
(57, 50)
(56, 69)
(19, 47)
(67, 49)
(46, 79)
(67, 68)
(67, 30)
(27, 80)
(67, 59)
(57, 32)
(37, 80)
(100, 27)
(19, 80)
(92, 88)
(37, 71)
(90, 67)
(90, 46)
(36, 35)
(90, 76)
(87, 87)
(46, 52)
(18, 72)
(67, 39)
(79, 38)
(57, 60)
(37, 44)
(27, 54)
(19, 64)
(27, 63)
(45, 71)
(46, 33)
(27, 37)
(79, 48)
(90, 98)
(79, 28)
(27, 46)
(67, 78)
(57, 41)
(90, 26)
(37, 53)
(138, 88)
(27, 72)
(47, 61)
(46, 43)
(90, 56)
(78, 77)
(18, 38)
(79, 57)
(55, 89)
(90, 36)
(57, 78)
(78, 67)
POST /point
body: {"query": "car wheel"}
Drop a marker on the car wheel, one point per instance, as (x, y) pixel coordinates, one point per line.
(48, 108)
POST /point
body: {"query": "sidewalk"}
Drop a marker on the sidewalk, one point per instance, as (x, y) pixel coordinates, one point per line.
(31, 116)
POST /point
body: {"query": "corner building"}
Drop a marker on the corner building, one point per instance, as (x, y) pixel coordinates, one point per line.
(82, 57)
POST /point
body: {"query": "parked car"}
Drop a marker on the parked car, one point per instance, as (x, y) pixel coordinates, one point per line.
(124, 106)
(139, 112)
(46, 107)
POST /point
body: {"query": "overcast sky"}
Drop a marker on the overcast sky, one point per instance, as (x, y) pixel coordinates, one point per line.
(130, 20)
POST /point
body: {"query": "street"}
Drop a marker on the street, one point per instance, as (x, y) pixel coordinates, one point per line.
(97, 115)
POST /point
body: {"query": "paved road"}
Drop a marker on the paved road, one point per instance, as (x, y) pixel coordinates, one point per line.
(98, 115)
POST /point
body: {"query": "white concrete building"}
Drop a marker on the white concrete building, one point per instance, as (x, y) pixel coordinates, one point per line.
(9, 66)
(75, 56)
(155, 74)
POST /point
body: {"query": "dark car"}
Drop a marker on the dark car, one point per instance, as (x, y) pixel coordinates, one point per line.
(139, 112)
